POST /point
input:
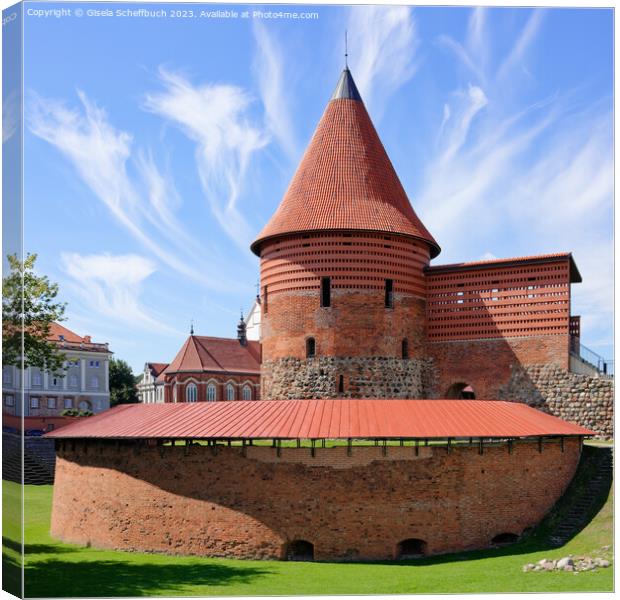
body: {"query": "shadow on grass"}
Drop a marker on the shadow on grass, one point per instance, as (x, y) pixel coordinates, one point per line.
(11, 575)
(36, 548)
(53, 578)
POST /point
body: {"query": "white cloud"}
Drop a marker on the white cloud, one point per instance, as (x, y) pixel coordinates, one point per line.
(519, 51)
(10, 116)
(383, 42)
(275, 96)
(216, 118)
(111, 285)
(102, 156)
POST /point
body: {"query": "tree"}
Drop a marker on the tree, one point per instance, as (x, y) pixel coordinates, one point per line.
(29, 307)
(122, 383)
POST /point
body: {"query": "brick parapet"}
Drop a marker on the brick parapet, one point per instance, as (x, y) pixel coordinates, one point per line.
(225, 504)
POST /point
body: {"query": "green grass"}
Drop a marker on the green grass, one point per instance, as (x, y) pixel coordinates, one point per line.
(55, 569)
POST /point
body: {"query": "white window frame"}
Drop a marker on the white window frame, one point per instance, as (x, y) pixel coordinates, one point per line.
(211, 392)
(247, 391)
(9, 400)
(73, 380)
(230, 391)
(93, 379)
(7, 376)
(35, 402)
(68, 403)
(37, 378)
(191, 392)
(49, 402)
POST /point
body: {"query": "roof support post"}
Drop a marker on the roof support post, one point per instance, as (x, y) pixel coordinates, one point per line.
(161, 448)
(426, 442)
(481, 446)
(417, 447)
(244, 451)
(562, 443)
(449, 446)
(384, 449)
(349, 447)
(323, 443)
(540, 444)
(298, 443)
(510, 446)
(402, 442)
(312, 447)
(279, 448)
(471, 441)
(229, 442)
(273, 443)
(214, 448)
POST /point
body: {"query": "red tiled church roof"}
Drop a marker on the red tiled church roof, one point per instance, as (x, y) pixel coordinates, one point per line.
(157, 368)
(216, 355)
(322, 419)
(345, 180)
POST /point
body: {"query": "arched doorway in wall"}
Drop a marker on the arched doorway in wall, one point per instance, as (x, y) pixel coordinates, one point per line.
(505, 539)
(410, 548)
(299, 550)
(461, 391)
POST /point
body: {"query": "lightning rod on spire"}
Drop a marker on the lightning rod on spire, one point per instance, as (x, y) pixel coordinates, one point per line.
(346, 50)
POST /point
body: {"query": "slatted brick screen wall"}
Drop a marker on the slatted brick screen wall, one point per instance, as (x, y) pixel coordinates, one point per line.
(498, 300)
(352, 261)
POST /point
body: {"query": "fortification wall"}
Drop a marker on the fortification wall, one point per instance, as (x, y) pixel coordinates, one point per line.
(487, 365)
(376, 377)
(358, 507)
(581, 399)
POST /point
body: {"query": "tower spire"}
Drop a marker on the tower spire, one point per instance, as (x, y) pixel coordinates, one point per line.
(191, 327)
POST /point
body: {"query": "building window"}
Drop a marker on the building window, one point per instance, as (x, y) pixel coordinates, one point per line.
(73, 380)
(211, 392)
(6, 376)
(94, 381)
(389, 293)
(36, 378)
(9, 400)
(326, 292)
(191, 393)
(68, 403)
(94, 364)
(341, 384)
(54, 381)
(247, 392)
(405, 349)
(34, 402)
(265, 299)
(84, 405)
(51, 403)
(310, 348)
(230, 391)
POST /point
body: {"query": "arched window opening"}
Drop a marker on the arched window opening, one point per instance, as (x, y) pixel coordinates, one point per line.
(191, 393)
(310, 347)
(341, 384)
(404, 349)
(300, 550)
(505, 539)
(410, 548)
(230, 391)
(211, 392)
(84, 405)
(461, 391)
(247, 392)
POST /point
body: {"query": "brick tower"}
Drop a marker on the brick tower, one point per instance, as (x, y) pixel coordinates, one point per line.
(342, 260)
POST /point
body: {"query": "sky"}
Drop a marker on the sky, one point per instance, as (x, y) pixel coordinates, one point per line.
(157, 147)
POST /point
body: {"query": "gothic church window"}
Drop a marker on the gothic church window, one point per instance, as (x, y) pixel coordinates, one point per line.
(191, 393)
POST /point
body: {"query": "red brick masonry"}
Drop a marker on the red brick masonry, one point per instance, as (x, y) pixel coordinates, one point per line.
(350, 507)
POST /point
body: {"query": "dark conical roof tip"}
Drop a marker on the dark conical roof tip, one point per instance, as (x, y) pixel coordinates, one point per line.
(346, 88)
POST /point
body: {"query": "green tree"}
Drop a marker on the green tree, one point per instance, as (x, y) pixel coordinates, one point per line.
(122, 383)
(29, 307)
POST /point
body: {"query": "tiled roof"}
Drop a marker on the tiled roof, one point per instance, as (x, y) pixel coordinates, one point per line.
(345, 181)
(67, 339)
(156, 368)
(201, 354)
(503, 262)
(322, 419)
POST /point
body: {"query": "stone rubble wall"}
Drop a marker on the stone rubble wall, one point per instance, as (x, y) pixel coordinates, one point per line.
(363, 377)
(580, 399)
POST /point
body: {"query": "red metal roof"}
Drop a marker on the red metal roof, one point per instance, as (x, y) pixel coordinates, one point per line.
(506, 262)
(345, 181)
(200, 354)
(65, 338)
(329, 419)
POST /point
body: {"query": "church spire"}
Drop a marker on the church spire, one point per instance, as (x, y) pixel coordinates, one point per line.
(346, 88)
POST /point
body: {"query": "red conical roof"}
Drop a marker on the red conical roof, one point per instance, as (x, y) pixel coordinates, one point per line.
(345, 180)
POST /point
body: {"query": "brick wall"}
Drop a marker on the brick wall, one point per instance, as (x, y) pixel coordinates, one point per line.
(487, 365)
(225, 504)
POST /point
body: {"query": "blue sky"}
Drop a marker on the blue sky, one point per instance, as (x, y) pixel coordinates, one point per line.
(156, 148)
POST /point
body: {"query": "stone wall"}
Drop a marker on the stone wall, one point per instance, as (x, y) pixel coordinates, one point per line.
(196, 501)
(375, 377)
(580, 399)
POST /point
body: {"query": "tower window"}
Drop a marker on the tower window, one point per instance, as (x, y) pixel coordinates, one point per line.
(265, 298)
(405, 349)
(341, 384)
(389, 293)
(326, 292)
(191, 393)
(310, 348)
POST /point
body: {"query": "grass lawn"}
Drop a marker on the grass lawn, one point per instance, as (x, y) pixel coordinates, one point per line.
(55, 569)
